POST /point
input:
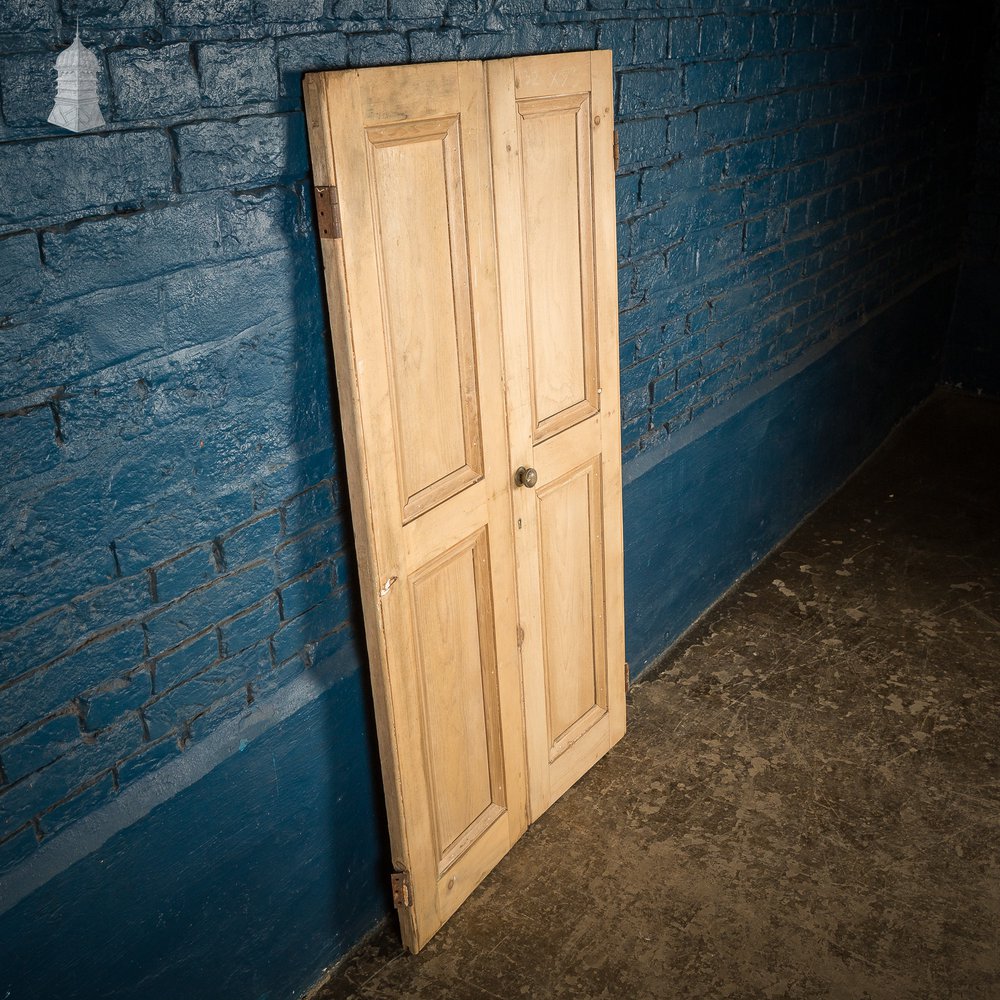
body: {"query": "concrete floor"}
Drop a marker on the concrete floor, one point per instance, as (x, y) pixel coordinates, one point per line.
(807, 802)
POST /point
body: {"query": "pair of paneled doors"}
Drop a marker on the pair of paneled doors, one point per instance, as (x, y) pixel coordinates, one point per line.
(466, 211)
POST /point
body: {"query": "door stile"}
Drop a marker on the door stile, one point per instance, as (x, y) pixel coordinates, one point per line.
(606, 291)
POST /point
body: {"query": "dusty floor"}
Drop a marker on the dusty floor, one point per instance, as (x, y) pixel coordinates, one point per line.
(807, 802)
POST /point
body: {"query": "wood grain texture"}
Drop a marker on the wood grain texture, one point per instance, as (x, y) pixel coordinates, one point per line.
(493, 622)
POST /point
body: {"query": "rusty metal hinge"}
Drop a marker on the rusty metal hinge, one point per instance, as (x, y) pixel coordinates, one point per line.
(616, 151)
(327, 212)
(402, 889)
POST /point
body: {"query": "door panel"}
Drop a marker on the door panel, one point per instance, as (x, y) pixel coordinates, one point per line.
(417, 345)
(553, 171)
(571, 577)
(457, 665)
(554, 134)
(421, 251)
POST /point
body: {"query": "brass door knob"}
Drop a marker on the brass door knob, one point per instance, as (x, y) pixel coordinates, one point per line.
(525, 477)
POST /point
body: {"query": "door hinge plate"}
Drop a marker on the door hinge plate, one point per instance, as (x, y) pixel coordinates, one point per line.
(327, 212)
(402, 890)
(617, 153)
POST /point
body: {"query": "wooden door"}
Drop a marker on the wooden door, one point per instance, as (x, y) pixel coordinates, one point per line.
(552, 146)
(493, 612)
(415, 323)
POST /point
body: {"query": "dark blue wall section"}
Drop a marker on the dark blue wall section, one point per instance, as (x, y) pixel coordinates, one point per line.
(188, 777)
(972, 356)
(773, 460)
(244, 884)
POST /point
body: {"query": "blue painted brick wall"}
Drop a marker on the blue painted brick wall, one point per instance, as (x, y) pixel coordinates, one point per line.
(174, 543)
(972, 354)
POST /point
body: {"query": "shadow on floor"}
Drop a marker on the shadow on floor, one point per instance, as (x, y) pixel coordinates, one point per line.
(807, 802)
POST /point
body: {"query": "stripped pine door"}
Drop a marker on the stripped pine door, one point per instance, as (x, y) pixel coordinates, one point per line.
(481, 681)
(552, 141)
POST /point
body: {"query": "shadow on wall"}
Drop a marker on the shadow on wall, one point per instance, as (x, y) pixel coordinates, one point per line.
(359, 864)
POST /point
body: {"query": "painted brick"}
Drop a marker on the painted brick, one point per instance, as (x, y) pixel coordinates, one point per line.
(38, 642)
(651, 39)
(377, 49)
(149, 83)
(435, 46)
(358, 9)
(49, 690)
(80, 804)
(28, 444)
(750, 159)
(20, 272)
(46, 787)
(288, 10)
(641, 141)
(39, 747)
(92, 173)
(307, 591)
(310, 626)
(710, 81)
(186, 701)
(416, 9)
(202, 230)
(19, 15)
(309, 549)
(206, 12)
(108, 703)
(760, 76)
(252, 541)
(183, 573)
(234, 73)
(187, 660)
(188, 307)
(109, 13)
(302, 53)
(250, 152)
(721, 123)
(488, 46)
(150, 758)
(805, 69)
(649, 90)
(308, 508)
(685, 34)
(17, 846)
(324, 649)
(619, 37)
(226, 596)
(246, 629)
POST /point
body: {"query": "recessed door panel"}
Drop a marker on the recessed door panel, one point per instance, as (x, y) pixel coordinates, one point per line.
(556, 188)
(453, 609)
(571, 582)
(423, 257)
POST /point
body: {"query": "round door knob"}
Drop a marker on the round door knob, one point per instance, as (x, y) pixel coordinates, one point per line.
(525, 477)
